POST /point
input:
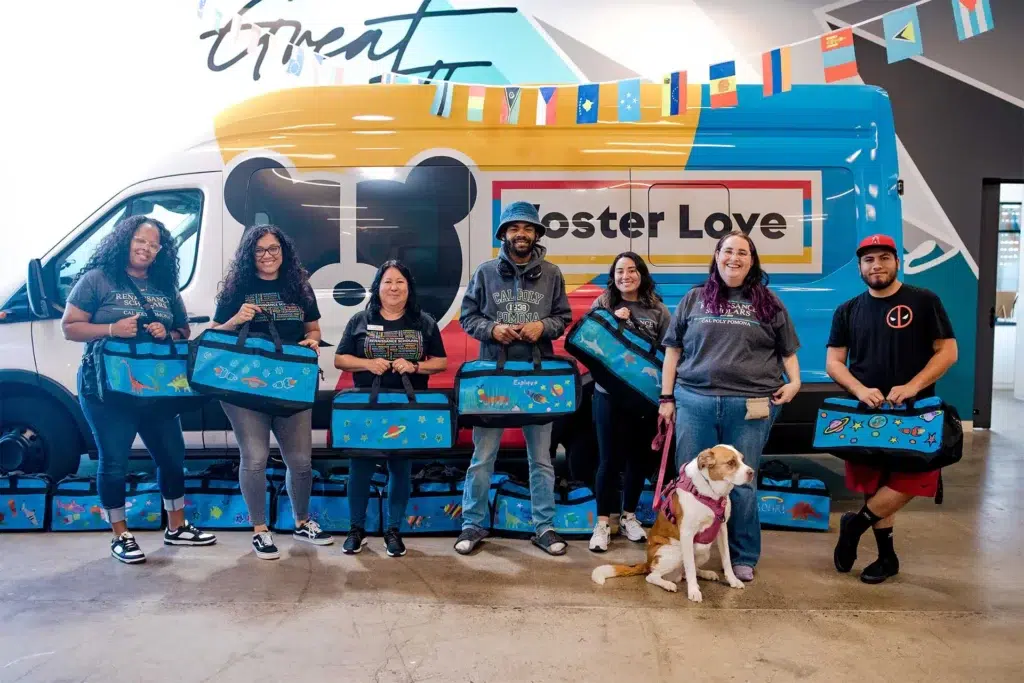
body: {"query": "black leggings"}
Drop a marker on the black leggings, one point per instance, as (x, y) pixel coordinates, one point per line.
(623, 438)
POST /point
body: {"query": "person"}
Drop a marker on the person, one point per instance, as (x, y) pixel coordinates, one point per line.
(898, 342)
(632, 298)
(729, 342)
(267, 282)
(391, 338)
(139, 255)
(518, 301)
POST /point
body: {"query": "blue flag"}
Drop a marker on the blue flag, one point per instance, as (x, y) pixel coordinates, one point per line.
(629, 100)
(586, 103)
(902, 30)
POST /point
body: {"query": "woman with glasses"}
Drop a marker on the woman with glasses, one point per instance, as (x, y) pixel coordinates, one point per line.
(138, 257)
(266, 282)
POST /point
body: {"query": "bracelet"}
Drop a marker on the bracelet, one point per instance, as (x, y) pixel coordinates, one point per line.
(110, 329)
(664, 397)
(666, 400)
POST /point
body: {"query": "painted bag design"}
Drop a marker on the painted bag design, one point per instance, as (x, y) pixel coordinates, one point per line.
(919, 436)
(213, 499)
(328, 505)
(393, 419)
(787, 500)
(506, 393)
(254, 371)
(622, 361)
(24, 501)
(435, 506)
(76, 505)
(575, 509)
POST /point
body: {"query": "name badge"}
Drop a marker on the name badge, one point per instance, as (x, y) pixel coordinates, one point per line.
(375, 328)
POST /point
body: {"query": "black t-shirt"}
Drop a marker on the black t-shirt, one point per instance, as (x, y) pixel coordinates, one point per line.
(289, 317)
(391, 339)
(890, 340)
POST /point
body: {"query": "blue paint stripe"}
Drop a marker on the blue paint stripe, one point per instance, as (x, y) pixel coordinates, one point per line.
(836, 57)
(723, 70)
(495, 217)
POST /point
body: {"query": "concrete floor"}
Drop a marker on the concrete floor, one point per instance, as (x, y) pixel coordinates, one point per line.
(68, 612)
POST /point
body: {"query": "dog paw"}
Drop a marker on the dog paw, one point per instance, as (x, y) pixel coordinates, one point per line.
(707, 575)
(694, 594)
(735, 583)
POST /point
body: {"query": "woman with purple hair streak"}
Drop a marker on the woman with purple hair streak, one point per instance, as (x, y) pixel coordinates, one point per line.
(730, 366)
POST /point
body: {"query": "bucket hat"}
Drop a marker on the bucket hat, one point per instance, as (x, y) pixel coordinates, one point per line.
(516, 212)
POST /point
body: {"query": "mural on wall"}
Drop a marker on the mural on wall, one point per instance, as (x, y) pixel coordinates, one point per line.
(938, 99)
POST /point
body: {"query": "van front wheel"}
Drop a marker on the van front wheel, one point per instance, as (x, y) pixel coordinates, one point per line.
(38, 436)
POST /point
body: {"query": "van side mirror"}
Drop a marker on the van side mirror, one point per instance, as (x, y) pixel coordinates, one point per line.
(35, 286)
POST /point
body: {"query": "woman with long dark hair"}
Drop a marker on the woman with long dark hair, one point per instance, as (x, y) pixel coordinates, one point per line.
(138, 257)
(391, 338)
(266, 282)
(730, 355)
(623, 433)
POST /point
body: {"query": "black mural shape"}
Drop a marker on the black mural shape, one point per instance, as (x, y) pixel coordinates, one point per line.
(412, 221)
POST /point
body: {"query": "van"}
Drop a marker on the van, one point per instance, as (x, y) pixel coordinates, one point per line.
(360, 174)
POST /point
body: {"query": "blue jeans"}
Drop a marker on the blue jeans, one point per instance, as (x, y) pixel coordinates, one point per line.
(476, 496)
(704, 421)
(360, 472)
(114, 430)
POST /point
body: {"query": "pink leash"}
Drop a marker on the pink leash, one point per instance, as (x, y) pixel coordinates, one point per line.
(662, 440)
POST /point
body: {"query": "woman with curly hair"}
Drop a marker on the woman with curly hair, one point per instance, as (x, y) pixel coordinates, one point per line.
(729, 343)
(138, 255)
(266, 282)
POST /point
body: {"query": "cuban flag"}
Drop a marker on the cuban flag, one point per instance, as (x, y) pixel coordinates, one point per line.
(972, 17)
(547, 103)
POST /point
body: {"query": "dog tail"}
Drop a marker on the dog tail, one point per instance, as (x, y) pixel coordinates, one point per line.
(608, 571)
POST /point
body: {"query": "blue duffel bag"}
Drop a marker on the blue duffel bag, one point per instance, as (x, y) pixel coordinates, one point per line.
(24, 502)
(623, 361)
(504, 393)
(435, 505)
(213, 498)
(76, 505)
(255, 371)
(787, 500)
(575, 509)
(921, 435)
(393, 419)
(328, 506)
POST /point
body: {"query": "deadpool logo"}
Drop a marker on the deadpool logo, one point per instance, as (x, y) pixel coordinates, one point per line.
(899, 317)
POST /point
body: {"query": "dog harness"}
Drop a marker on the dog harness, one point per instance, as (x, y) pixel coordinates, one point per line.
(684, 483)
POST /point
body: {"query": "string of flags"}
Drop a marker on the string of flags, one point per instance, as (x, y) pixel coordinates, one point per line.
(901, 28)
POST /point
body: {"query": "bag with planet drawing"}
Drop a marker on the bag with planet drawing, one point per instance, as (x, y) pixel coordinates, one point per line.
(254, 371)
(919, 436)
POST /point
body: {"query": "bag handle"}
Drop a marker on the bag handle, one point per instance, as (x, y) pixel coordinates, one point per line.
(243, 335)
(406, 384)
(776, 469)
(503, 356)
(150, 317)
(663, 441)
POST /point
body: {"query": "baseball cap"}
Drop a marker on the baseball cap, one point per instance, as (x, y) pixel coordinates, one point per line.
(517, 212)
(876, 242)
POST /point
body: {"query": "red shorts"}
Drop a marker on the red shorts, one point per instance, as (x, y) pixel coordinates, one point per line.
(867, 480)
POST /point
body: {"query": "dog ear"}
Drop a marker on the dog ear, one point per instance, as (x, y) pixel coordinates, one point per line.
(706, 459)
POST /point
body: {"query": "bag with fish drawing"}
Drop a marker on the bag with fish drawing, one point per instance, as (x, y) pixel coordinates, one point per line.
(328, 505)
(623, 361)
(393, 419)
(788, 500)
(24, 502)
(435, 506)
(141, 373)
(575, 509)
(504, 393)
(76, 504)
(213, 498)
(921, 435)
(255, 371)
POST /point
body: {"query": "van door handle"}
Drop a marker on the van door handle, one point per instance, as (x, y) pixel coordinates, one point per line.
(199, 319)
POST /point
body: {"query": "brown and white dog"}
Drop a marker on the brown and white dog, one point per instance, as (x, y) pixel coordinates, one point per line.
(675, 540)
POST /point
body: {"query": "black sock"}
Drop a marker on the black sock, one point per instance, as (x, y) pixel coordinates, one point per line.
(883, 537)
(864, 520)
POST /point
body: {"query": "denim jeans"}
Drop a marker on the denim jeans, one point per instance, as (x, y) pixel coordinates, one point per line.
(704, 421)
(476, 497)
(360, 472)
(114, 430)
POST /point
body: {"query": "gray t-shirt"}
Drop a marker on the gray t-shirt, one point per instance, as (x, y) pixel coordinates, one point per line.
(733, 354)
(652, 322)
(107, 302)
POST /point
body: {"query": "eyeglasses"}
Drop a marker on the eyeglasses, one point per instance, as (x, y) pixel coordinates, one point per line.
(273, 251)
(153, 247)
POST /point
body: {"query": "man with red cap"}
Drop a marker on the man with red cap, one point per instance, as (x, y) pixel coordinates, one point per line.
(898, 341)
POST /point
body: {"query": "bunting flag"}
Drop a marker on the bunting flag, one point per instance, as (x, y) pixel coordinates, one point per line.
(200, 7)
(629, 100)
(587, 97)
(777, 71)
(902, 30)
(673, 94)
(296, 62)
(546, 106)
(510, 106)
(838, 55)
(442, 105)
(972, 17)
(475, 110)
(723, 85)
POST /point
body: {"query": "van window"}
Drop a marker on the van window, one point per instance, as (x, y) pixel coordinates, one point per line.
(179, 210)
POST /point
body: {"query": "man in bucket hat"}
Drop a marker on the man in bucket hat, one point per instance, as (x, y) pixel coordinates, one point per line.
(516, 300)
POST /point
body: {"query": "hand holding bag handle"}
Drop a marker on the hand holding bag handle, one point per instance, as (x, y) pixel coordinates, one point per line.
(503, 356)
(406, 384)
(150, 317)
(243, 335)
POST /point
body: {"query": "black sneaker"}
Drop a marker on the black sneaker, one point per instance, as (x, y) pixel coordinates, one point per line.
(263, 544)
(310, 532)
(187, 534)
(355, 541)
(393, 543)
(125, 548)
(881, 569)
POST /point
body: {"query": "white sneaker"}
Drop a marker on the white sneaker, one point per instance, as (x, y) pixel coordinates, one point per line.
(599, 540)
(631, 528)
